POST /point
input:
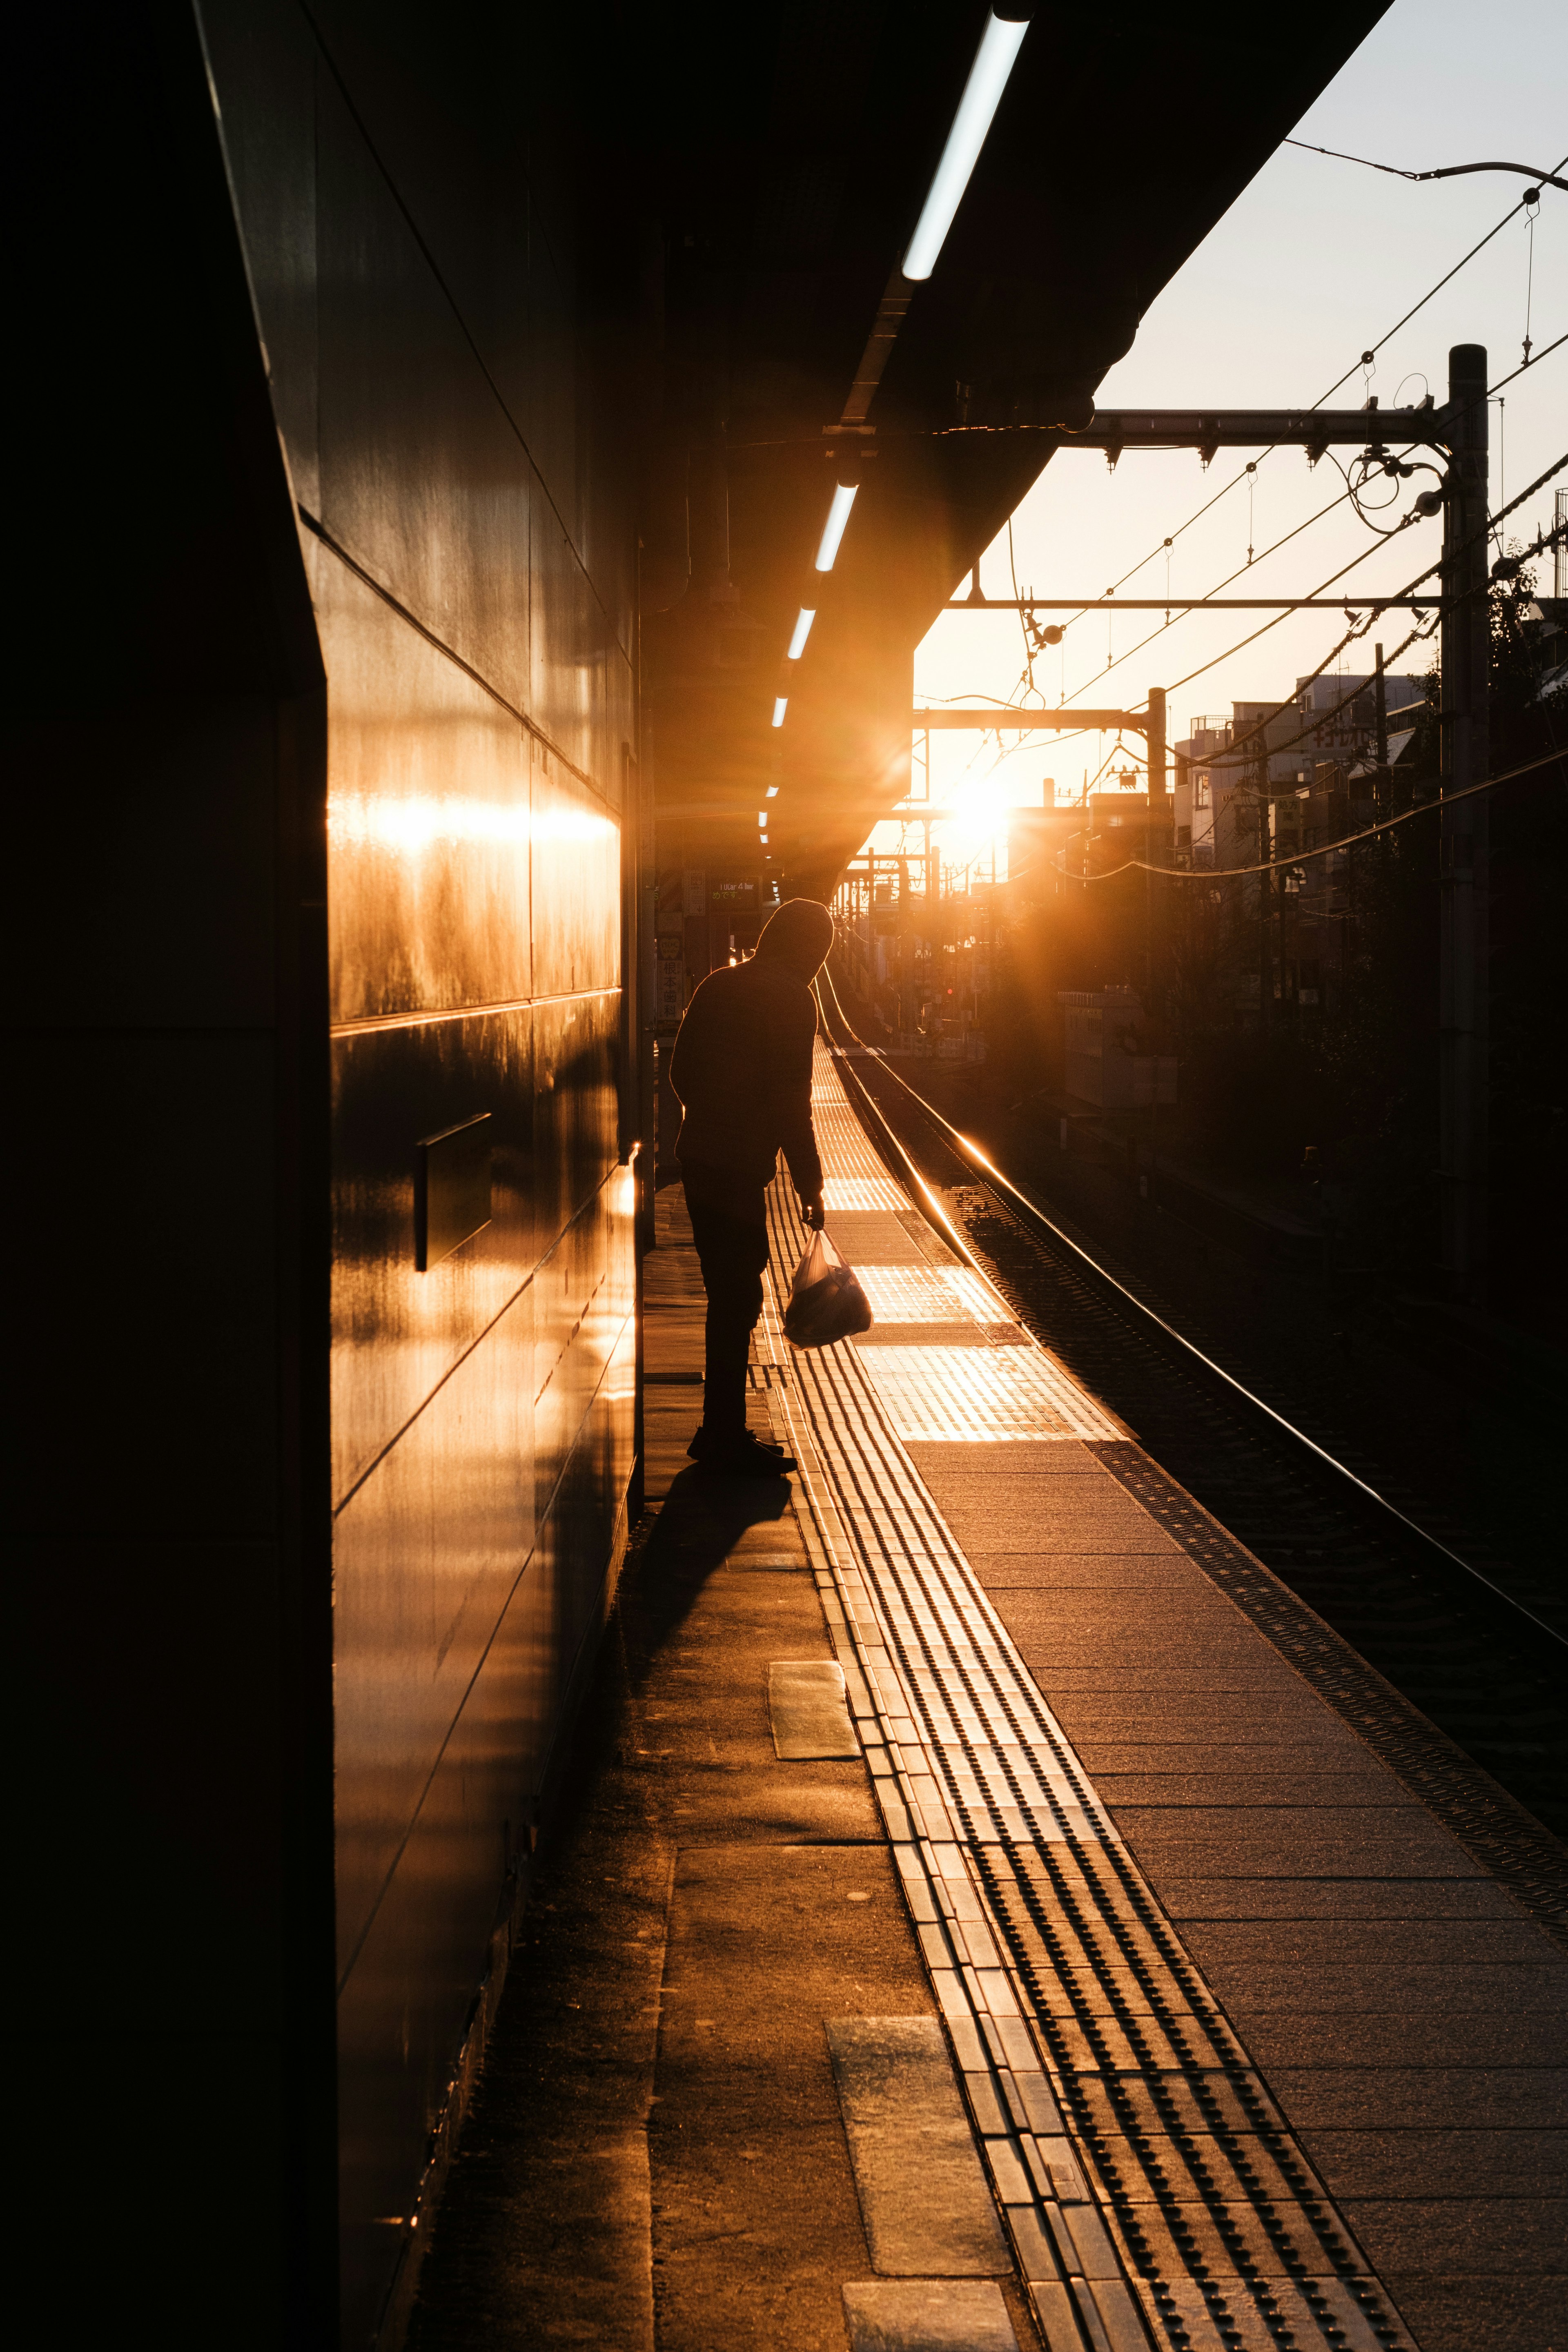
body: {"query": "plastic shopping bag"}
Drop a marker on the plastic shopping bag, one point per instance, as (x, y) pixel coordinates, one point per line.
(825, 1302)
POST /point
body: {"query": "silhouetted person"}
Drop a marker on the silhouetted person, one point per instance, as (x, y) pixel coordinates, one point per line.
(742, 1071)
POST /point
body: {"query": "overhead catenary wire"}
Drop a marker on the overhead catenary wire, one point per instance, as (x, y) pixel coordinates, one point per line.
(1232, 753)
(1360, 557)
(1026, 677)
(1526, 365)
(1259, 727)
(1530, 273)
(1294, 532)
(1243, 642)
(1371, 352)
(947, 432)
(1132, 651)
(1445, 172)
(1023, 625)
(1322, 849)
(1229, 756)
(1512, 214)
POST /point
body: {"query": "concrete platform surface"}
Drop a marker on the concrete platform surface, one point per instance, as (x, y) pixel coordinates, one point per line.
(1238, 2044)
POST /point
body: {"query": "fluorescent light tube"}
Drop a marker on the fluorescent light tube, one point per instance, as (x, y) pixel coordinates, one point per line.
(802, 631)
(999, 45)
(773, 792)
(780, 706)
(832, 529)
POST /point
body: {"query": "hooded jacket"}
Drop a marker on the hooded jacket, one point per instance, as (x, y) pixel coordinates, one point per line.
(742, 1067)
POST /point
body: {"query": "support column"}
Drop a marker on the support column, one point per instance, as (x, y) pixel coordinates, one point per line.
(1463, 877)
(1265, 901)
(1157, 751)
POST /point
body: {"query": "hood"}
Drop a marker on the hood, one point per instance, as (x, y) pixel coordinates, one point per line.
(798, 937)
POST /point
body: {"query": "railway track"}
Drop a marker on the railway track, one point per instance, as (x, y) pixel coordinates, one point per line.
(1456, 1685)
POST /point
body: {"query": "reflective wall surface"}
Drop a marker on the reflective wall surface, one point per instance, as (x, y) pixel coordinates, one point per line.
(470, 548)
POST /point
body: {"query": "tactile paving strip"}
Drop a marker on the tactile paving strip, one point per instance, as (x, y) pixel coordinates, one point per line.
(1152, 2190)
(927, 1294)
(957, 1395)
(862, 1192)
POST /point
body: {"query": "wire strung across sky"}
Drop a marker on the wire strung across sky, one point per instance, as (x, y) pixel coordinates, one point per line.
(1243, 642)
(1447, 172)
(1026, 677)
(1132, 651)
(1367, 355)
(1512, 214)
(1259, 727)
(1359, 627)
(1544, 352)
(1325, 849)
(1251, 637)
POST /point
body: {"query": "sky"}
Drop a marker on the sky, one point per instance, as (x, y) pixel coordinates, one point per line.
(1314, 263)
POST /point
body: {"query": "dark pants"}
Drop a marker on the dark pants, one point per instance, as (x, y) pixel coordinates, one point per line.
(732, 1250)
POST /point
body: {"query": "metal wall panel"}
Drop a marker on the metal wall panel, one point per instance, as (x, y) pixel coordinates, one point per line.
(408, 1995)
(423, 477)
(576, 887)
(397, 1332)
(428, 1551)
(429, 819)
(472, 549)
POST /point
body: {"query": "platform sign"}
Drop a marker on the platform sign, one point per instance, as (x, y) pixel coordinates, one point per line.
(734, 893)
(670, 988)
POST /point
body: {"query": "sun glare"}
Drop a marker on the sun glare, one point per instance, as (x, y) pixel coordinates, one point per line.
(973, 821)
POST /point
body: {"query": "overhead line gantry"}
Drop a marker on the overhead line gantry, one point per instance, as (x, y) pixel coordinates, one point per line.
(1458, 432)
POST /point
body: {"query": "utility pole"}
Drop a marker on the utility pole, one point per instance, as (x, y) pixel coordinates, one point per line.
(1156, 833)
(1380, 720)
(1464, 879)
(1157, 751)
(1458, 429)
(1265, 894)
(1153, 835)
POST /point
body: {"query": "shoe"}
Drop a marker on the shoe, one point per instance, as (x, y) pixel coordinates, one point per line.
(709, 1442)
(740, 1456)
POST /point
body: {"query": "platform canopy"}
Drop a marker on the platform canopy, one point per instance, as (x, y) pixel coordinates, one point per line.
(784, 157)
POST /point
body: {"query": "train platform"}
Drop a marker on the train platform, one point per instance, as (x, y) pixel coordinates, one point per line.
(963, 1928)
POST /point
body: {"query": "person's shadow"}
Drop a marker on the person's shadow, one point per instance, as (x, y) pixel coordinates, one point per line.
(702, 1520)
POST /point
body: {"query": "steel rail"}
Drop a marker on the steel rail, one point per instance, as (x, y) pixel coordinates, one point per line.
(971, 1152)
